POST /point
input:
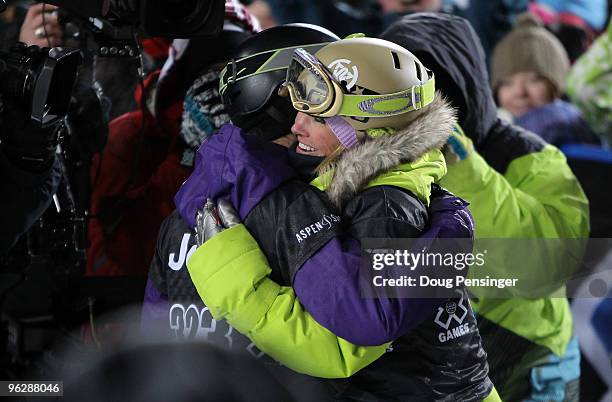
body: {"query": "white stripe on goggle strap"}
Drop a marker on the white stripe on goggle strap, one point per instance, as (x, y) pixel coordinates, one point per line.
(279, 60)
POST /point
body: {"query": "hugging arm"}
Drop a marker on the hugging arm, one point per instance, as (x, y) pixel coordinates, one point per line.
(231, 275)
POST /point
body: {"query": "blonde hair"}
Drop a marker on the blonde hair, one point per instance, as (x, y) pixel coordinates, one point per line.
(325, 170)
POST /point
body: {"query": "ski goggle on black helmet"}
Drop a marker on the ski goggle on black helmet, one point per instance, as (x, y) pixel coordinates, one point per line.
(250, 81)
(360, 78)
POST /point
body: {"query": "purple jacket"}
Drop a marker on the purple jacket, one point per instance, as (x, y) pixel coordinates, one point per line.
(558, 123)
(251, 174)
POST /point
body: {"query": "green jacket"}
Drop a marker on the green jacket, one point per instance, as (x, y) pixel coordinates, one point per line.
(589, 84)
(537, 197)
(518, 187)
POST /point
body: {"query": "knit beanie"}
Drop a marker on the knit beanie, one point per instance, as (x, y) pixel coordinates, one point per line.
(530, 47)
(203, 112)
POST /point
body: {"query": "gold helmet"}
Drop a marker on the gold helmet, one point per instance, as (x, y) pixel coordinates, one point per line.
(369, 82)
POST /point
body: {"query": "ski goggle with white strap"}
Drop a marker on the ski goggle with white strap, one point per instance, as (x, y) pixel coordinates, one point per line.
(314, 90)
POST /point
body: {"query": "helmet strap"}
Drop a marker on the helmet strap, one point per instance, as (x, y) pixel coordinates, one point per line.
(345, 133)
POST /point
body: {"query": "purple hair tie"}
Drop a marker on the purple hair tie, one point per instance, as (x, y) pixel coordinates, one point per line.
(345, 133)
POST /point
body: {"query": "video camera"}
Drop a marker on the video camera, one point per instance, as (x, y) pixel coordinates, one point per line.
(167, 18)
(42, 78)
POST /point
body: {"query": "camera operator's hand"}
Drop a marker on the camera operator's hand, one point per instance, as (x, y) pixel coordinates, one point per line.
(41, 29)
(26, 145)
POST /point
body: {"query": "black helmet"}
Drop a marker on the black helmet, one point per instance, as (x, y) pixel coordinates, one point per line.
(250, 81)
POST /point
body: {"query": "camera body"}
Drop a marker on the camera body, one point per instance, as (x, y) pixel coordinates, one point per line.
(167, 18)
(42, 78)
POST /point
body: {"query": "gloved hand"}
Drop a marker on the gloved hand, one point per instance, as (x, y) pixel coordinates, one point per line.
(213, 219)
(227, 213)
(458, 147)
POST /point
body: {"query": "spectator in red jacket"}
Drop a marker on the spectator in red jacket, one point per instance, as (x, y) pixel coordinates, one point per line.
(146, 159)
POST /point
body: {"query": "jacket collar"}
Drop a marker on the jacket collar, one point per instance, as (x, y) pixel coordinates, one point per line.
(412, 153)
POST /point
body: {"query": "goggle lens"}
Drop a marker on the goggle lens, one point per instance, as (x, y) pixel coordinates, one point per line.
(306, 78)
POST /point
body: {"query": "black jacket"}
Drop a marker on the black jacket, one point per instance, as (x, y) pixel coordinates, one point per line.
(449, 47)
(25, 196)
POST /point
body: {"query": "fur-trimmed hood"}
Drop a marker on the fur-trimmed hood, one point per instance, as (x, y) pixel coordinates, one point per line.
(356, 167)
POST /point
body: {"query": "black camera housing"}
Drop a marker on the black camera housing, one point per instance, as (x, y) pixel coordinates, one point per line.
(167, 18)
(41, 78)
(44, 78)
